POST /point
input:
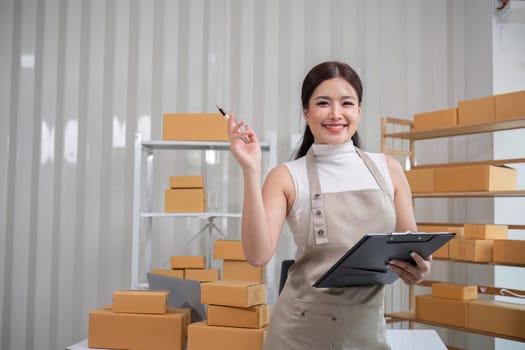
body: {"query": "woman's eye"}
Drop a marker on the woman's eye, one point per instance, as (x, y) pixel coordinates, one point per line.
(322, 103)
(348, 104)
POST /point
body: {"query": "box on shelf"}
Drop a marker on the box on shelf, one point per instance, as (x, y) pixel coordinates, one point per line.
(475, 178)
(184, 200)
(420, 180)
(231, 293)
(445, 118)
(476, 111)
(446, 311)
(202, 275)
(443, 252)
(479, 231)
(510, 106)
(188, 262)
(475, 250)
(204, 337)
(509, 252)
(233, 270)
(178, 273)
(497, 317)
(228, 316)
(454, 291)
(228, 250)
(140, 301)
(111, 330)
(194, 127)
(186, 181)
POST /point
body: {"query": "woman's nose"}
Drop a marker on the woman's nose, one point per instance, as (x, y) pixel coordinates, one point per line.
(336, 112)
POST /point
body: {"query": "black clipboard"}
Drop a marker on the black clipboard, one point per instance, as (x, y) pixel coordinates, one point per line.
(365, 263)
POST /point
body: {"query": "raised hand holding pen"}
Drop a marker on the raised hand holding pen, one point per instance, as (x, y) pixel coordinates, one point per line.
(244, 144)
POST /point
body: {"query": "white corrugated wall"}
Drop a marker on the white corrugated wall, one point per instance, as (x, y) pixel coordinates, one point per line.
(79, 78)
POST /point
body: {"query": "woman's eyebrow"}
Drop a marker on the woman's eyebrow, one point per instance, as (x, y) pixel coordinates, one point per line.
(329, 98)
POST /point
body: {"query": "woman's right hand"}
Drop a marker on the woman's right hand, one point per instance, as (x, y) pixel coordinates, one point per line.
(244, 145)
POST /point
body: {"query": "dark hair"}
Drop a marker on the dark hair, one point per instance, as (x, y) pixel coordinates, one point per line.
(318, 74)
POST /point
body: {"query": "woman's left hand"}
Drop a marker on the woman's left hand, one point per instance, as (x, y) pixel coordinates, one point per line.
(412, 274)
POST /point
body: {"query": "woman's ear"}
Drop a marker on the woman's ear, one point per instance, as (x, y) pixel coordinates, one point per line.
(305, 114)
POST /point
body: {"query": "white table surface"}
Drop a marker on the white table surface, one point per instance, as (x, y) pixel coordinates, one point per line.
(399, 339)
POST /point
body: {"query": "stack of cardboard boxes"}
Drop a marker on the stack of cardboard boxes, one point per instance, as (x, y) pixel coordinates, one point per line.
(189, 267)
(185, 195)
(234, 264)
(138, 319)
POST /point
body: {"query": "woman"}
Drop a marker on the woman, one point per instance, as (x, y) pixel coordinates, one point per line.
(330, 195)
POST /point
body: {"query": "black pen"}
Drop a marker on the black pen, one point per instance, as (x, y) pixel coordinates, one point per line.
(226, 116)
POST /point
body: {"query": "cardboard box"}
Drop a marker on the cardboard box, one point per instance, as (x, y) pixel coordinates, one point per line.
(475, 250)
(230, 293)
(510, 106)
(228, 250)
(179, 273)
(454, 291)
(497, 317)
(204, 337)
(140, 301)
(443, 252)
(194, 127)
(420, 180)
(445, 311)
(475, 178)
(188, 262)
(242, 271)
(509, 252)
(252, 317)
(186, 182)
(445, 118)
(186, 311)
(113, 330)
(184, 200)
(475, 231)
(476, 111)
(202, 275)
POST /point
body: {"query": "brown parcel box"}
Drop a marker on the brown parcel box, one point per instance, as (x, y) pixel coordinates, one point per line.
(242, 271)
(475, 231)
(476, 111)
(194, 127)
(441, 253)
(230, 293)
(475, 178)
(188, 262)
(228, 250)
(420, 180)
(454, 291)
(140, 301)
(476, 250)
(170, 273)
(509, 252)
(186, 181)
(113, 330)
(228, 316)
(202, 275)
(510, 106)
(204, 337)
(497, 317)
(184, 200)
(446, 311)
(445, 118)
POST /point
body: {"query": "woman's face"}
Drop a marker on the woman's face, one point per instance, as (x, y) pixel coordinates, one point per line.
(333, 112)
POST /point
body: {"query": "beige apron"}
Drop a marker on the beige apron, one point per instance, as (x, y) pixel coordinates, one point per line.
(308, 318)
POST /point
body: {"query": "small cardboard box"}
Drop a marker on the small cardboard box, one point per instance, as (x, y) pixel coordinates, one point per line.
(252, 317)
(242, 271)
(475, 178)
(509, 252)
(186, 311)
(179, 273)
(194, 127)
(445, 118)
(476, 231)
(475, 250)
(111, 330)
(476, 111)
(446, 311)
(228, 250)
(443, 252)
(204, 337)
(202, 275)
(180, 181)
(188, 262)
(184, 200)
(497, 317)
(454, 291)
(140, 301)
(420, 180)
(510, 106)
(230, 293)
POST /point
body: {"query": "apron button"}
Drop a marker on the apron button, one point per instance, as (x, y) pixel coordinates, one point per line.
(318, 212)
(334, 319)
(320, 232)
(303, 313)
(317, 195)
